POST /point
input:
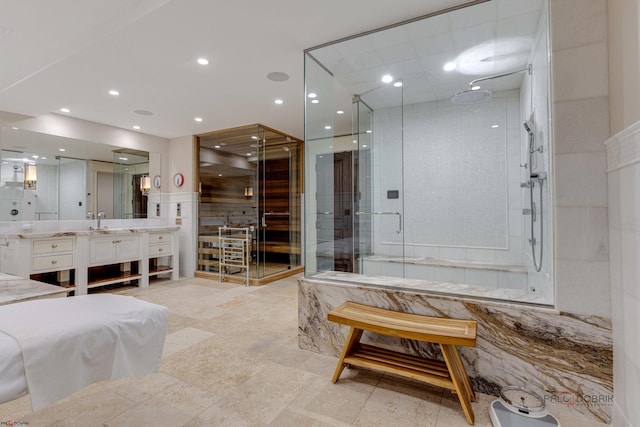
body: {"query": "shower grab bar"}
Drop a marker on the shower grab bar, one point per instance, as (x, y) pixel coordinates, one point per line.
(386, 213)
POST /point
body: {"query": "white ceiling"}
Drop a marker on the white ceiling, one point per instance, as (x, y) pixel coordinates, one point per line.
(70, 53)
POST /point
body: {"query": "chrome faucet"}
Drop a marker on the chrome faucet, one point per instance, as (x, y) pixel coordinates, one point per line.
(100, 215)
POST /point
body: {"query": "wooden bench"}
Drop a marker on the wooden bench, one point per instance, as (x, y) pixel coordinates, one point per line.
(448, 333)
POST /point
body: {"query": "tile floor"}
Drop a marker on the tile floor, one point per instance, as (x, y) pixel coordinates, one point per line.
(231, 359)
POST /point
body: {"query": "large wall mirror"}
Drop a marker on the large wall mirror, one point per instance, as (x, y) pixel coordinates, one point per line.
(47, 177)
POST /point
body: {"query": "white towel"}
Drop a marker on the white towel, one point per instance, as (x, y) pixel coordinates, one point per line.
(69, 343)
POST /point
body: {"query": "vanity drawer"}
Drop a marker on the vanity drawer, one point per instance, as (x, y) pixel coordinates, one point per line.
(52, 246)
(53, 262)
(159, 250)
(159, 238)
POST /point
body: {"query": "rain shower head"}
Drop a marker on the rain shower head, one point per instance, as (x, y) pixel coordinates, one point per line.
(469, 97)
(472, 96)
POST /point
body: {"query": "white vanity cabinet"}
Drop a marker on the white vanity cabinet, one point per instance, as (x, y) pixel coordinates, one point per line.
(114, 248)
(52, 254)
(29, 257)
(97, 257)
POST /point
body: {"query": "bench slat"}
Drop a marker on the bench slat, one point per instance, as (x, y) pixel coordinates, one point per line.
(406, 325)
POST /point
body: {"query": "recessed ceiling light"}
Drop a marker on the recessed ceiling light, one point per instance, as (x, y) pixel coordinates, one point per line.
(339, 112)
(368, 130)
(449, 66)
(136, 127)
(61, 149)
(387, 78)
(494, 126)
(203, 61)
(65, 110)
(397, 84)
(279, 101)
(216, 146)
(476, 87)
(314, 101)
(198, 119)
(313, 95)
(219, 174)
(35, 156)
(114, 92)
(254, 137)
(249, 154)
(364, 145)
(327, 127)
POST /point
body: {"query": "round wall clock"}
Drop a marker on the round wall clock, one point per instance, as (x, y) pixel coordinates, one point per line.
(178, 180)
(157, 181)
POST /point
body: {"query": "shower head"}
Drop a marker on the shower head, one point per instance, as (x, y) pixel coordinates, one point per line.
(469, 97)
(527, 127)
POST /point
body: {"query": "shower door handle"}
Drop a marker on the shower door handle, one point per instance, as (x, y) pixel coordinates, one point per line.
(266, 214)
(386, 213)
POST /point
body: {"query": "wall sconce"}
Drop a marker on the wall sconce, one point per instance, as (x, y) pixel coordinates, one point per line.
(145, 184)
(248, 192)
(30, 176)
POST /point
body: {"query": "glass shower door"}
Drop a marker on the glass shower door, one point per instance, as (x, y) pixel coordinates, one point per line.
(379, 205)
(275, 179)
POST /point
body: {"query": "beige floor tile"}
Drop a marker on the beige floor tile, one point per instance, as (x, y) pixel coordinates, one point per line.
(139, 389)
(299, 417)
(183, 339)
(16, 410)
(399, 406)
(452, 415)
(150, 413)
(188, 398)
(82, 409)
(260, 399)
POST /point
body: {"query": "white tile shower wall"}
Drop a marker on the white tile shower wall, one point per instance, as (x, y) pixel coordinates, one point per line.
(623, 159)
(455, 220)
(580, 99)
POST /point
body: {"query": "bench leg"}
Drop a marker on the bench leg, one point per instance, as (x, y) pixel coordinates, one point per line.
(352, 339)
(460, 379)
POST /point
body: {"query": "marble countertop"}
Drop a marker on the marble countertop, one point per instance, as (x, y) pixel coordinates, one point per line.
(496, 295)
(115, 230)
(16, 289)
(436, 262)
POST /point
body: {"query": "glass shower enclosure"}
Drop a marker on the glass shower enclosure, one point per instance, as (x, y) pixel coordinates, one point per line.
(417, 164)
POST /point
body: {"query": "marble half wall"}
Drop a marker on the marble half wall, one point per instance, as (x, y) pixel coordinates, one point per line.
(565, 358)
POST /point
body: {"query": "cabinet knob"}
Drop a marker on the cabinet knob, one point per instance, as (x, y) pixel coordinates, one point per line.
(54, 246)
(160, 238)
(160, 250)
(53, 261)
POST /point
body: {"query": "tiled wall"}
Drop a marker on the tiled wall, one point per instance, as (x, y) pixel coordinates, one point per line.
(580, 122)
(623, 157)
(461, 190)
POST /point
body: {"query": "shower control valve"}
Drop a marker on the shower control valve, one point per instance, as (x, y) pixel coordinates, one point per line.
(527, 184)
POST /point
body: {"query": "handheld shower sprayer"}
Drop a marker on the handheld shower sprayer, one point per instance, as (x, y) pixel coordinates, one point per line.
(527, 127)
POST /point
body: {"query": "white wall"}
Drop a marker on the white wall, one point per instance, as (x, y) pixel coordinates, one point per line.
(624, 209)
(624, 237)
